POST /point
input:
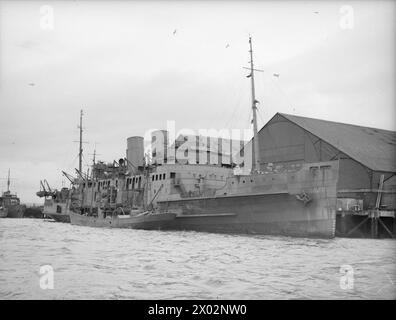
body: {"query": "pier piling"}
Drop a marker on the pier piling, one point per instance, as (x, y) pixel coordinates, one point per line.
(374, 225)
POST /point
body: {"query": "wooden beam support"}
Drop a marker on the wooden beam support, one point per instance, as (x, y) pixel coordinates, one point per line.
(357, 227)
(385, 227)
(374, 227)
(394, 225)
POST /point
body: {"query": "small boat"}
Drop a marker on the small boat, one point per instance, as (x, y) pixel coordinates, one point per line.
(10, 205)
(144, 220)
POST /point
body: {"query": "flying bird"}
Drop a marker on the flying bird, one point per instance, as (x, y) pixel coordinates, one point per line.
(227, 45)
(316, 12)
(31, 84)
(276, 75)
(174, 32)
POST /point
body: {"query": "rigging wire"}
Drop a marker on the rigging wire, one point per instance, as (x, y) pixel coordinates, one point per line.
(235, 111)
(86, 164)
(284, 95)
(72, 164)
(236, 106)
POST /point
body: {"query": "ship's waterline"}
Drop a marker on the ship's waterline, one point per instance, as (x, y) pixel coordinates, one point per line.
(93, 263)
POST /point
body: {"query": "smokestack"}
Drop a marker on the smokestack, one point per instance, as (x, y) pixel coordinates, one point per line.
(135, 153)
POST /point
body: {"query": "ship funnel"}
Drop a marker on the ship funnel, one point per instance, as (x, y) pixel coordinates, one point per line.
(159, 146)
(135, 153)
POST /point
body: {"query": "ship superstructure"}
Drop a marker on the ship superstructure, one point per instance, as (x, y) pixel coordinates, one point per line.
(10, 205)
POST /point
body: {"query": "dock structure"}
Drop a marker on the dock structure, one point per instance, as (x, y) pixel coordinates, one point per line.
(366, 189)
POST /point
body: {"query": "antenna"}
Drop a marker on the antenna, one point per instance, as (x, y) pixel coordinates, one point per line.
(255, 145)
(93, 161)
(80, 152)
(81, 148)
(8, 181)
(94, 154)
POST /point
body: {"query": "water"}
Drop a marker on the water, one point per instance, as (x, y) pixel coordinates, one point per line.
(92, 263)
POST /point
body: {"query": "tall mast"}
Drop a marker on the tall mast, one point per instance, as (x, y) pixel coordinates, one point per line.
(255, 146)
(93, 161)
(81, 148)
(8, 181)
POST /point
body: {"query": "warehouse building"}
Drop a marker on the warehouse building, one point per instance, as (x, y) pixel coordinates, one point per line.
(367, 158)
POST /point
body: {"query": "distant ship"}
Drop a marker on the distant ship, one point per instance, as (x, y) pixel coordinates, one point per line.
(34, 211)
(10, 205)
(297, 200)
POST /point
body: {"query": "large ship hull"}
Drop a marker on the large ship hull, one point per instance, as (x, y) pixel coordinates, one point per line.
(275, 214)
(300, 203)
(146, 222)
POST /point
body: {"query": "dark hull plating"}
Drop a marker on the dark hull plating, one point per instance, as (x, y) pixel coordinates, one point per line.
(59, 217)
(276, 214)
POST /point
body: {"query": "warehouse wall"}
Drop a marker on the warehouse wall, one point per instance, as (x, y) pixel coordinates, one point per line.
(283, 142)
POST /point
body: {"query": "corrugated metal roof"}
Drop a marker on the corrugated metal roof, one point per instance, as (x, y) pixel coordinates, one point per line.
(374, 148)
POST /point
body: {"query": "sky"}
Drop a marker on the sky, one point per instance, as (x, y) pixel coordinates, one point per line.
(134, 65)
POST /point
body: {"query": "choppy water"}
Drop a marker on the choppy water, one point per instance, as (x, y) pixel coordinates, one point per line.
(92, 263)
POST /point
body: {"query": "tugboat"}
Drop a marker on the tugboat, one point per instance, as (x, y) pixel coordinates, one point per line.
(10, 205)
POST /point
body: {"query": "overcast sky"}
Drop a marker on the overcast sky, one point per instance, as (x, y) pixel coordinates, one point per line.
(132, 66)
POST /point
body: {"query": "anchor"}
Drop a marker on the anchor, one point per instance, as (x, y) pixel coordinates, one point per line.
(303, 197)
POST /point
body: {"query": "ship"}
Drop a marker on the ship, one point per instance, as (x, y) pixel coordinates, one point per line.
(293, 200)
(56, 202)
(10, 204)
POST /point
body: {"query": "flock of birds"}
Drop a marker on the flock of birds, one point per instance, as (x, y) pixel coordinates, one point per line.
(228, 45)
(174, 33)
